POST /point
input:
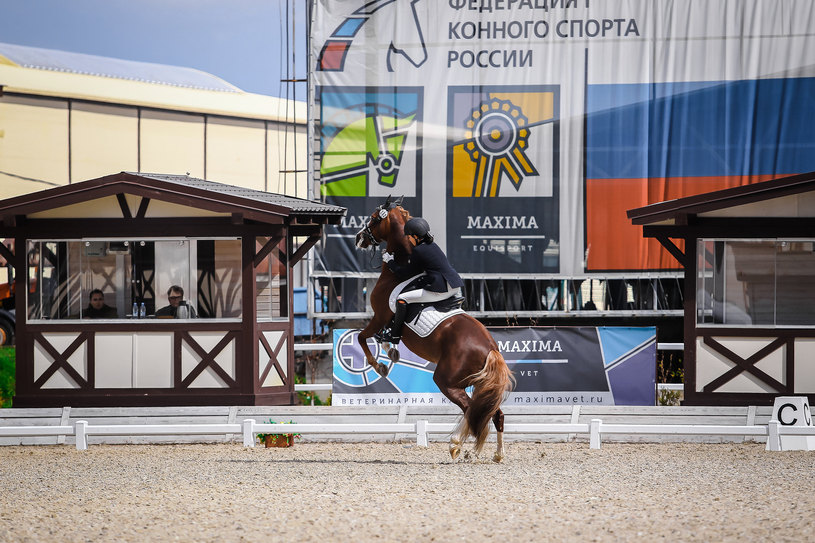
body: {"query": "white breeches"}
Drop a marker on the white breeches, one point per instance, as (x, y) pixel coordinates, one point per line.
(421, 295)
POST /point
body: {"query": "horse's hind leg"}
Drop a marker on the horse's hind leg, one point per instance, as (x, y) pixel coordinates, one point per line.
(498, 421)
(459, 397)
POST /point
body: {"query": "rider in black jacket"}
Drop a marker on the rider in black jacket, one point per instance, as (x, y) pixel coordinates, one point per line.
(439, 282)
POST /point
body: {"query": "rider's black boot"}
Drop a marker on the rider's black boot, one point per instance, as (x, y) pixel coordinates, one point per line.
(398, 321)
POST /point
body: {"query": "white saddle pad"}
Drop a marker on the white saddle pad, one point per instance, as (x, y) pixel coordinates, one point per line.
(428, 319)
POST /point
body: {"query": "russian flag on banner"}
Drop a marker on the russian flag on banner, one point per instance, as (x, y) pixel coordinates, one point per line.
(648, 143)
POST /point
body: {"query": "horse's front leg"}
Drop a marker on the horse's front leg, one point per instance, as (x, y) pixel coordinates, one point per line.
(368, 332)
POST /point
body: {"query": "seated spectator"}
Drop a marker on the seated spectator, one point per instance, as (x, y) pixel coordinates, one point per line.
(97, 308)
(175, 295)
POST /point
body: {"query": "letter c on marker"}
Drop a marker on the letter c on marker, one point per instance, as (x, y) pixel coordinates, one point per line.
(780, 415)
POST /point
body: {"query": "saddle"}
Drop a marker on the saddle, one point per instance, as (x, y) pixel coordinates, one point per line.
(424, 317)
(452, 303)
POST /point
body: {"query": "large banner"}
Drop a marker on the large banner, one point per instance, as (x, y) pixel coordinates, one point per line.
(523, 130)
(552, 366)
(371, 148)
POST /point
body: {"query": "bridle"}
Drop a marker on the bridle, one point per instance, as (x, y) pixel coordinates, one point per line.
(373, 222)
(377, 217)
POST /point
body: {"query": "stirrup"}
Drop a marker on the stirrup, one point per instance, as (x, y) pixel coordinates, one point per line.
(384, 336)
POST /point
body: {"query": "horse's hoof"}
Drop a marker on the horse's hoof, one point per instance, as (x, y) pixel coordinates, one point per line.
(498, 458)
(454, 451)
(382, 369)
(393, 354)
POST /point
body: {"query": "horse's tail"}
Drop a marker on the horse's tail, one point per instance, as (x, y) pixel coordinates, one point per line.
(491, 386)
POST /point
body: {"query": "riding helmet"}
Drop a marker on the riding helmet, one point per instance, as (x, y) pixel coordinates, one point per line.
(417, 226)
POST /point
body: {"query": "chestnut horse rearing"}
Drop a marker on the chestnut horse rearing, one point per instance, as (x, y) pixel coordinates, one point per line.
(463, 350)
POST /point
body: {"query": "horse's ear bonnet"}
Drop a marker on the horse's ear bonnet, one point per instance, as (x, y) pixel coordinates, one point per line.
(390, 205)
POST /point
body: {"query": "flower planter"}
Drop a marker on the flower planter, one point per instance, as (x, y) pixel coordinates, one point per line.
(279, 440)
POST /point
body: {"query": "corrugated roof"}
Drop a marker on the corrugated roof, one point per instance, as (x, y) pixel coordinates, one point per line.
(296, 205)
(187, 191)
(79, 63)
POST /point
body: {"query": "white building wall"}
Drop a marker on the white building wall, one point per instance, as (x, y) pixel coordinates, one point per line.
(112, 129)
(172, 142)
(33, 144)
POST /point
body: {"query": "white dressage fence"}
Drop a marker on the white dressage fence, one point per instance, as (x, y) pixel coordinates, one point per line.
(595, 429)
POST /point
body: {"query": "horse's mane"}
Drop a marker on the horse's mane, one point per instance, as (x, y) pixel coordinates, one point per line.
(400, 240)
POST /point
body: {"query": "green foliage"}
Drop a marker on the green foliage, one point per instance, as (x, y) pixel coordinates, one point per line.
(669, 397)
(275, 437)
(7, 382)
(670, 370)
(306, 397)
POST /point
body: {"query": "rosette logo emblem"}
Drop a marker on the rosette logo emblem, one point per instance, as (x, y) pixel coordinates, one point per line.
(496, 140)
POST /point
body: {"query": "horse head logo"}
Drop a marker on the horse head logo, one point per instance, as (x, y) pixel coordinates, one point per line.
(407, 39)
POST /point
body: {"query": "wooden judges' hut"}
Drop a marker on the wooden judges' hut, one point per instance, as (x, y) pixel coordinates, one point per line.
(749, 259)
(133, 236)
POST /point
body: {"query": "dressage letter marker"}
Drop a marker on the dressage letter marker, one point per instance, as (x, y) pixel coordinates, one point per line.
(793, 411)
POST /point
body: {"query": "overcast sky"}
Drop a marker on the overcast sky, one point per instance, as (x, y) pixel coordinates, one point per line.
(241, 41)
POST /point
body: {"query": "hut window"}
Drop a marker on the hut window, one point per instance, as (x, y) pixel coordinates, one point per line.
(764, 282)
(63, 275)
(272, 280)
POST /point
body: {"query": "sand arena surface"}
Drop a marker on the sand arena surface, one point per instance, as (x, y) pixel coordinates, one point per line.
(401, 492)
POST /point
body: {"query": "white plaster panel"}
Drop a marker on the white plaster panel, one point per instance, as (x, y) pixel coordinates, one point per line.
(208, 379)
(710, 365)
(99, 208)
(190, 359)
(42, 360)
(78, 360)
(744, 346)
(283, 358)
(159, 209)
(804, 366)
(225, 358)
(61, 340)
(60, 379)
(153, 360)
(774, 365)
(747, 383)
(114, 360)
(133, 203)
(272, 379)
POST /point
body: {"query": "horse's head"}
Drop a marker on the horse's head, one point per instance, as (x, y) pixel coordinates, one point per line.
(383, 224)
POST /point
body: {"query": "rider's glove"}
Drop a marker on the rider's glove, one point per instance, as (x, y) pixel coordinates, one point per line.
(386, 257)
